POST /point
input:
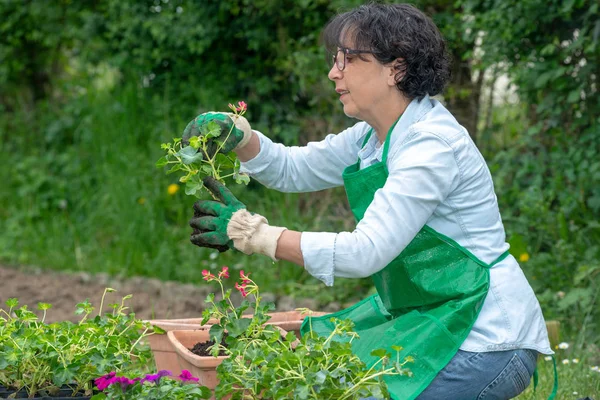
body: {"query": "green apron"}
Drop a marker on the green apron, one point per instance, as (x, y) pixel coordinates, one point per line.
(427, 300)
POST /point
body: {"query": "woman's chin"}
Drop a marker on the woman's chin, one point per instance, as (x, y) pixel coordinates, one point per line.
(350, 112)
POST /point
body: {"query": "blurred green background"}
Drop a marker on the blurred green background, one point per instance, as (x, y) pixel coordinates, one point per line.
(90, 89)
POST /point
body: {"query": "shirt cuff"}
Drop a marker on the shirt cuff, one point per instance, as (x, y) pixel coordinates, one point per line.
(318, 251)
(260, 162)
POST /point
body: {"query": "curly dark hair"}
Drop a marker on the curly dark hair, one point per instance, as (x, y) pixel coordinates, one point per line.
(395, 31)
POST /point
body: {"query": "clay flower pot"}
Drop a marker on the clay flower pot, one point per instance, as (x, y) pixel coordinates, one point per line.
(204, 368)
(164, 353)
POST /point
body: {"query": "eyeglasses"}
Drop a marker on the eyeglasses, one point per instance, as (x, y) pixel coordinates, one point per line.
(340, 62)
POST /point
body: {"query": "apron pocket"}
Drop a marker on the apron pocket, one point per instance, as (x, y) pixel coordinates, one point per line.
(422, 337)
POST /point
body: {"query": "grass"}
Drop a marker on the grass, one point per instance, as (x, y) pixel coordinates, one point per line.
(84, 194)
(576, 380)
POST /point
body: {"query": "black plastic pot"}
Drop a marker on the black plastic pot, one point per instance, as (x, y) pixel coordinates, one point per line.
(65, 393)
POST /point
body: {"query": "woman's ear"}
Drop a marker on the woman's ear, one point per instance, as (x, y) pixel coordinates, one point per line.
(397, 71)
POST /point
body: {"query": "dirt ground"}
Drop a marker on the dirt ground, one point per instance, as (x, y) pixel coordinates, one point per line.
(152, 299)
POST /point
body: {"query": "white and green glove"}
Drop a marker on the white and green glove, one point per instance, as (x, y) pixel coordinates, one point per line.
(226, 223)
(229, 122)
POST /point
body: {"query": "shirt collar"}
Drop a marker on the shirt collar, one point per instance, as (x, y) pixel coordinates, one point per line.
(413, 113)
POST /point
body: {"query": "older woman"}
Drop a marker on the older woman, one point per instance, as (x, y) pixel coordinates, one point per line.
(428, 231)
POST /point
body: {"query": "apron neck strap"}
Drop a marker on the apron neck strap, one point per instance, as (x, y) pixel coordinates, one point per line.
(386, 145)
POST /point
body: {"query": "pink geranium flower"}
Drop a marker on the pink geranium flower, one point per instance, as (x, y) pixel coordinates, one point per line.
(224, 272)
(208, 276)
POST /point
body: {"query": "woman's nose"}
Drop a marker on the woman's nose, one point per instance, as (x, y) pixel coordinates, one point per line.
(334, 73)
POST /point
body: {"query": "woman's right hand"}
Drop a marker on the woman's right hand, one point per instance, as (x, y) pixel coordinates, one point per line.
(235, 131)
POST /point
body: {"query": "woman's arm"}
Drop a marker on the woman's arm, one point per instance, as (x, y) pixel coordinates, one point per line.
(249, 151)
(288, 247)
(421, 176)
(316, 166)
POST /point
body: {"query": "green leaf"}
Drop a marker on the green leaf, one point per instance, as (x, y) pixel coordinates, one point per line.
(211, 130)
(12, 302)
(175, 168)
(192, 186)
(189, 155)
(63, 375)
(379, 353)
(162, 162)
(301, 392)
(237, 327)
(241, 178)
(195, 142)
(216, 333)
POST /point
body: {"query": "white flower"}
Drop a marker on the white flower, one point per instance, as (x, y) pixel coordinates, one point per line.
(575, 393)
(213, 255)
(565, 362)
(548, 358)
(575, 360)
(563, 346)
(595, 368)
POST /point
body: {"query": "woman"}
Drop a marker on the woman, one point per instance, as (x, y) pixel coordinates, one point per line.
(429, 231)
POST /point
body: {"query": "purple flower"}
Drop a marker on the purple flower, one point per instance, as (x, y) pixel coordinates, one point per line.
(105, 381)
(125, 382)
(186, 376)
(156, 377)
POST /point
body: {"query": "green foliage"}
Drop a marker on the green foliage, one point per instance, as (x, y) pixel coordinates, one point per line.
(42, 357)
(197, 161)
(269, 366)
(548, 177)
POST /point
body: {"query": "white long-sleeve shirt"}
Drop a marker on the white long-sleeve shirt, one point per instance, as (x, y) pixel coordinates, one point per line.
(437, 177)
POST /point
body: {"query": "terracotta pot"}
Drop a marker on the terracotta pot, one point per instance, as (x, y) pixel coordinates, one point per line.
(202, 367)
(163, 351)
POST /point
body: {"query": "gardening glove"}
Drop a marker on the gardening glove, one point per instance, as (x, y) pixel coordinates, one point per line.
(228, 122)
(227, 223)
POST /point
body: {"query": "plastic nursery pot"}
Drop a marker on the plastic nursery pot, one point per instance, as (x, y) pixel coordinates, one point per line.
(65, 393)
(163, 351)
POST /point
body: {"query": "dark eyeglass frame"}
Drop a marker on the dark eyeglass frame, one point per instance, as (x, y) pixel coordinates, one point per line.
(345, 51)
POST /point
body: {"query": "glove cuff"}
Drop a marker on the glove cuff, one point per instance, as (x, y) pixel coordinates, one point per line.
(251, 233)
(243, 125)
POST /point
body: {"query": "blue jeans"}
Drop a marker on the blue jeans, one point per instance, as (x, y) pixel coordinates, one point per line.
(497, 375)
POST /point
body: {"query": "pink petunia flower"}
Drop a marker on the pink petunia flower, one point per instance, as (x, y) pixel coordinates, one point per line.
(156, 377)
(105, 381)
(186, 376)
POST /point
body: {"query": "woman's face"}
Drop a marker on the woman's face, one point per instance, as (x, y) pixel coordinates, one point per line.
(364, 85)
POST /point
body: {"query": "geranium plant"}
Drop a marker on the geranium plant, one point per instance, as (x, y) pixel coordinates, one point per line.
(161, 385)
(264, 365)
(198, 157)
(41, 358)
(235, 320)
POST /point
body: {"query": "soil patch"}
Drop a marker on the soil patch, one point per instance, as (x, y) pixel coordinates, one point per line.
(152, 298)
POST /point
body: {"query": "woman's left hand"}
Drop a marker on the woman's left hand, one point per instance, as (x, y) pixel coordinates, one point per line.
(227, 223)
